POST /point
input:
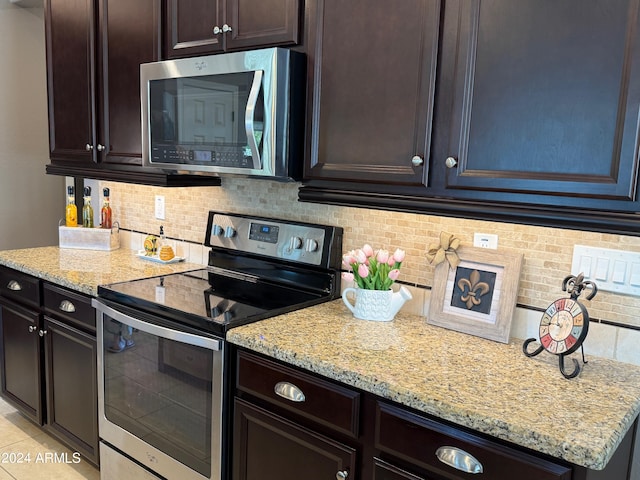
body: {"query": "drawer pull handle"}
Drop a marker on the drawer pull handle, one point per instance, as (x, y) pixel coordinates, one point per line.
(459, 459)
(15, 286)
(32, 328)
(42, 333)
(342, 475)
(289, 391)
(67, 306)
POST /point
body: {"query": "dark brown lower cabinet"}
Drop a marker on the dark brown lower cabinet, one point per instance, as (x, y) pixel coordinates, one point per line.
(269, 447)
(21, 360)
(71, 379)
(48, 359)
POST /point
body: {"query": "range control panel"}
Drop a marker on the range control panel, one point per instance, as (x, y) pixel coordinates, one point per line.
(282, 239)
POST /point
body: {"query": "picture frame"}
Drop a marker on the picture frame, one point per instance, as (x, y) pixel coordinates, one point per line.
(481, 303)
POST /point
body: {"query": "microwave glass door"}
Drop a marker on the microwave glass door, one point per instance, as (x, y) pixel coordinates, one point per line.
(160, 390)
(215, 120)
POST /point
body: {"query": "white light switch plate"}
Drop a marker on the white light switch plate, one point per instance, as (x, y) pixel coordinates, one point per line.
(611, 270)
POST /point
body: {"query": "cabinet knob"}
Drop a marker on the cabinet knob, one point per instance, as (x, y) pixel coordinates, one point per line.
(451, 162)
(42, 333)
(226, 28)
(100, 147)
(217, 30)
(342, 475)
(14, 285)
(88, 147)
(417, 160)
(67, 306)
(289, 391)
(459, 459)
(32, 328)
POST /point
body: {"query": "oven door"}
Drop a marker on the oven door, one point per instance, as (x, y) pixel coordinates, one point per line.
(160, 395)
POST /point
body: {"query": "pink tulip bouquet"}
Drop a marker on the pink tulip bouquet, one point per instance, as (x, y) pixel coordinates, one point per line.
(372, 270)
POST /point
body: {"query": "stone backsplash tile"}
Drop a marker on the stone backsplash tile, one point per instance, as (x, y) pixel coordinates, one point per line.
(547, 251)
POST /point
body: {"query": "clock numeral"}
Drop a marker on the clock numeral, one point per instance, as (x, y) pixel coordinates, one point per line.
(561, 346)
(569, 304)
(570, 341)
(546, 319)
(551, 310)
(560, 303)
(544, 330)
(546, 341)
(578, 319)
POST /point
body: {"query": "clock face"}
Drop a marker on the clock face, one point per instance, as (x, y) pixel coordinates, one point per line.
(564, 326)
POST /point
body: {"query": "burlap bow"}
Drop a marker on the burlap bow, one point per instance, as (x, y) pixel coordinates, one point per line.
(446, 250)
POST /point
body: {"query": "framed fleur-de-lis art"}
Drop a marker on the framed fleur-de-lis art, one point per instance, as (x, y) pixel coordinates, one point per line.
(478, 296)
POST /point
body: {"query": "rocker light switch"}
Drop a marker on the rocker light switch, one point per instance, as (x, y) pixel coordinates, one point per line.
(602, 268)
(619, 271)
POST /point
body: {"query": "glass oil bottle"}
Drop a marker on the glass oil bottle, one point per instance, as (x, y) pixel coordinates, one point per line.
(105, 213)
(71, 212)
(87, 209)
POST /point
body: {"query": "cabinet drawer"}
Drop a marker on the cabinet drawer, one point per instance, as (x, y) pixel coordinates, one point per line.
(73, 307)
(303, 394)
(416, 439)
(20, 287)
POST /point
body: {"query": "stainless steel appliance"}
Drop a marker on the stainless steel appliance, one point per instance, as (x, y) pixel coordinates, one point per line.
(161, 348)
(236, 113)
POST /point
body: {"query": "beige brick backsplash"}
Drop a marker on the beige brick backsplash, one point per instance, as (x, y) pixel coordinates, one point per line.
(547, 251)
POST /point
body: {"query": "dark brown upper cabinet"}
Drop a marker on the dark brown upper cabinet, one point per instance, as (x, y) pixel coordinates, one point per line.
(545, 100)
(528, 110)
(374, 72)
(94, 51)
(201, 27)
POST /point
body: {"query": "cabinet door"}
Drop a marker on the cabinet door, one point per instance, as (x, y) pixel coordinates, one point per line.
(120, 55)
(21, 360)
(72, 388)
(268, 447)
(70, 31)
(189, 27)
(373, 67)
(264, 23)
(545, 101)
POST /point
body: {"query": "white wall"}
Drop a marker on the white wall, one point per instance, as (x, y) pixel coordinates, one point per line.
(31, 202)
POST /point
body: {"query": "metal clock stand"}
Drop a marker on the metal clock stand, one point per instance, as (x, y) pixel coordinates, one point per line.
(565, 324)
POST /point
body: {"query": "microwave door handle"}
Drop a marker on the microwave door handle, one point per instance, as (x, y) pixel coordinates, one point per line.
(249, 116)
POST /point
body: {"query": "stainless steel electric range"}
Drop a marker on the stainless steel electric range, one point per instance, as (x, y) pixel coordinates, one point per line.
(161, 348)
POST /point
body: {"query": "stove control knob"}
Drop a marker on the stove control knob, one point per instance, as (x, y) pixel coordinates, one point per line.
(216, 230)
(229, 232)
(312, 245)
(295, 243)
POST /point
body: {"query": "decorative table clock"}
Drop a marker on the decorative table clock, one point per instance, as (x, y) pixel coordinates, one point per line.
(565, 324)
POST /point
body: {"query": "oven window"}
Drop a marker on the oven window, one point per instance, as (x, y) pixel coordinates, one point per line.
(202, 120)
(160, 390)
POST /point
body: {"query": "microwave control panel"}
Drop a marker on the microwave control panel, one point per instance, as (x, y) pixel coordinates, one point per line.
(222, 156)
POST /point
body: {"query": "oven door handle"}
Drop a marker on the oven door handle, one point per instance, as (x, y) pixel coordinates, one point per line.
(160, 331)
(249, 119)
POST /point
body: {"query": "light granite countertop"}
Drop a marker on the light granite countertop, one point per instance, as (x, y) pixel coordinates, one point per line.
(487, 386)
(84, 270)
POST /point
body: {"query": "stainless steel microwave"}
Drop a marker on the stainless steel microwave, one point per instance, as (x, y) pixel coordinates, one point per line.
(229, 114)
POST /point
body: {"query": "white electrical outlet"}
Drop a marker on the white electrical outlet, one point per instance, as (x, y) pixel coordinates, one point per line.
(160, 207)
(485, 240)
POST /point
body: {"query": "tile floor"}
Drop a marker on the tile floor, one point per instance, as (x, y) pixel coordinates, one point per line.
(43, 457)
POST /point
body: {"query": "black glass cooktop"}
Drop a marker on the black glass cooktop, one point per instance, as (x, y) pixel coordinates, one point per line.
(209, 300)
